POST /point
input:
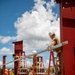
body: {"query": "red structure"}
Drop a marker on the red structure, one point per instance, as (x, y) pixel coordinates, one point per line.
(38, 65)
(67, 27)
(18, 49)
(23, 69)
(4, 66)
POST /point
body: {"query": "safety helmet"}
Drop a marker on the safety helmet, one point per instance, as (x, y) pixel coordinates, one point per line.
(51, 33)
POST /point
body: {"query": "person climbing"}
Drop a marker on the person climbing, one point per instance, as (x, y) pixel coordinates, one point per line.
(31, 71)
(54, 42)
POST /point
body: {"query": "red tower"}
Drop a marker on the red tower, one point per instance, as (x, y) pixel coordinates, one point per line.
(38, 65)
(67, 28)
(18, 49)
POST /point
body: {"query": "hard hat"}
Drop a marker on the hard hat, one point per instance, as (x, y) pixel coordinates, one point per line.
(51, 33)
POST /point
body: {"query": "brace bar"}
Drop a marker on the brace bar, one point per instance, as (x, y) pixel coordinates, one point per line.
(49, 48)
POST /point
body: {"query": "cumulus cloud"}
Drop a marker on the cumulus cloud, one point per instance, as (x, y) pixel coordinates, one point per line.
(34, 25)
(34, 51)
(0, 63)
(6, 39)
(5, 50)
(29, 63)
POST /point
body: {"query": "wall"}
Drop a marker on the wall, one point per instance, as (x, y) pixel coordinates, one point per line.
(67, 28)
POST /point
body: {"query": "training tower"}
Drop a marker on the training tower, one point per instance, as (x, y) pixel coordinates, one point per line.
(18, 49)
(67, 30)
(38, 65)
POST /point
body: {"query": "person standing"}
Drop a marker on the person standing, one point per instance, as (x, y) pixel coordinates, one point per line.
(12, 72)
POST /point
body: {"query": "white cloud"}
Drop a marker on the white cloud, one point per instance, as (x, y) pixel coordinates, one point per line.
(50, 4)
(0, 63)
(10, 65)
(33, 27)
(5, 50)
(6, 39)
(29, 63)
(34, 51)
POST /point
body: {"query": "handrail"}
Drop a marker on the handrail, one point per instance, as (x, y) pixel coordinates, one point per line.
(49, 48)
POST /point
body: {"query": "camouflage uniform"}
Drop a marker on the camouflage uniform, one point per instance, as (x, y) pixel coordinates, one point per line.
(58, 56)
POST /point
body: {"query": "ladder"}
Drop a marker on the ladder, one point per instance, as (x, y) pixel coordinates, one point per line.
(51, 59)
(39, 65)
(23, 70)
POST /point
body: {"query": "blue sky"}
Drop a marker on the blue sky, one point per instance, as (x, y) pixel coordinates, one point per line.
(30, 21)
(10, 10)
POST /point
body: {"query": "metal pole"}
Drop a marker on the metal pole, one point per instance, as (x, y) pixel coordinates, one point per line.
(49, 48)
